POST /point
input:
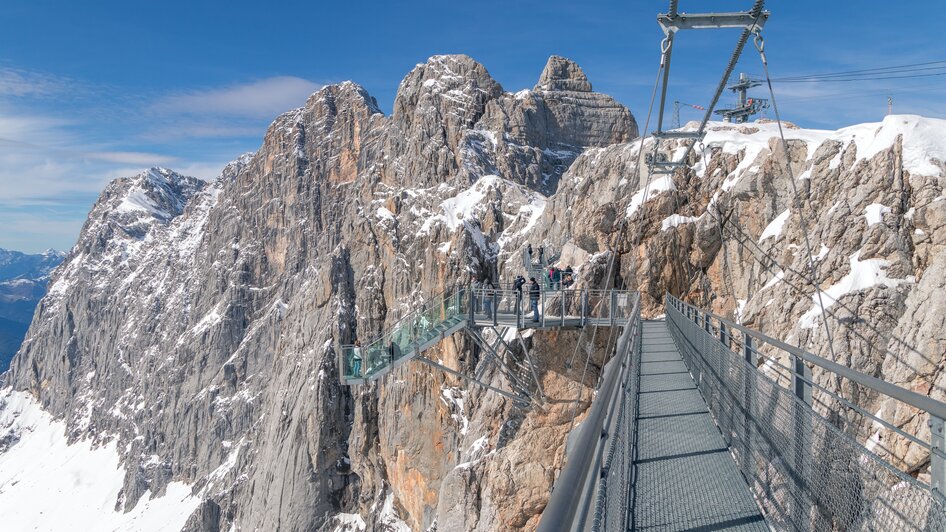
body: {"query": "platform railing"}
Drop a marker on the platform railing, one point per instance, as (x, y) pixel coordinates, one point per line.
(479, 307)
(799, 443)
(592, 490)
(403, 337)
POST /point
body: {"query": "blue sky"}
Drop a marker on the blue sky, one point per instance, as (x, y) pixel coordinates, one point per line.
(90, 91)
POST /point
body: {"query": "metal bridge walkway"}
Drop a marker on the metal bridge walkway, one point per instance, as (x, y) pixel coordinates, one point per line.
(686, 478)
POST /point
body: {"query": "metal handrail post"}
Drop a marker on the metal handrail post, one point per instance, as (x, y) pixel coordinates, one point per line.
(801, 376)
(471, 304)
(937, 454)
(584, 306)
(614, 301)
(562, 297)
(542, 301)
(495, 308)
(723, 336)
(516, 308)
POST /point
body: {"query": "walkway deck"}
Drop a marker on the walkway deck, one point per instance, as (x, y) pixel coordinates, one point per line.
(685, 476)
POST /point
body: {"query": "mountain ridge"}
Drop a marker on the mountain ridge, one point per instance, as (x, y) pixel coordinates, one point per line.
(194, 329)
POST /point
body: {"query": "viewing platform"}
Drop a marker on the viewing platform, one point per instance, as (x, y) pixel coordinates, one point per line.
(467, 308)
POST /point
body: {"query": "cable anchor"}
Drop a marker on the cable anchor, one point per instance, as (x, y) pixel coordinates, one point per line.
(760, 45)
(664, 48)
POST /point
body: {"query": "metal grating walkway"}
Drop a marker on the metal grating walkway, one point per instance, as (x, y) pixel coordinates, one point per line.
(685, 477)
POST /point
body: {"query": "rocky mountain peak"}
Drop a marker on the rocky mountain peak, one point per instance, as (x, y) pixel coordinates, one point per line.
(131, 206)
(157, 192)
(562, 74)
(441, 75)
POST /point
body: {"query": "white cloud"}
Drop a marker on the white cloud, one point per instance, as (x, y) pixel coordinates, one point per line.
(62, 141)
(131, 157)
(17, 82)
(265, 98)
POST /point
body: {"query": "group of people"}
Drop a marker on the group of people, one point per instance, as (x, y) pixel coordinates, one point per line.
(530, 258)
(559, 278)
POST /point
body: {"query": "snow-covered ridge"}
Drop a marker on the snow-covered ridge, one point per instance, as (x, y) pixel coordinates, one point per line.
(924, 152)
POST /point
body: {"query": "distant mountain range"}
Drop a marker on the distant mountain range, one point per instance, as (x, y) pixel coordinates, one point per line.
(23, 281)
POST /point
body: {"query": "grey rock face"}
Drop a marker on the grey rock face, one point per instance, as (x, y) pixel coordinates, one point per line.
(197, 323)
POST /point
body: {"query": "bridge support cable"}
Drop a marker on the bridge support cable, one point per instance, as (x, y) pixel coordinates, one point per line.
(774, 267)
(812, 268)
(806, 473)
(514, 378)
(532, 368)
(672, 22)
(664, 49)
(806, 382)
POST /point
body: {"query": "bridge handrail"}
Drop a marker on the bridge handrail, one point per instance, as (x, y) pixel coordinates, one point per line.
(802, 384)
(575, 490)
(909, 397)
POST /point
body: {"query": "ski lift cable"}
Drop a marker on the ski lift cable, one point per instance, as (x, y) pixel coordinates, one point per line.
(880, 70)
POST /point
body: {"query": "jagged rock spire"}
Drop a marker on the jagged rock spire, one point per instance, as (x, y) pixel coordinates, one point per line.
(563, 74)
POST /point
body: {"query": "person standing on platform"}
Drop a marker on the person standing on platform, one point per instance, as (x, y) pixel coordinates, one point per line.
(356, 359)
(488, 291)
(534, 294)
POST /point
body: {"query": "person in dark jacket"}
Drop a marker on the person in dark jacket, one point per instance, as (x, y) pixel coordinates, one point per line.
(569, 277)
(534, 293)
(517, 285)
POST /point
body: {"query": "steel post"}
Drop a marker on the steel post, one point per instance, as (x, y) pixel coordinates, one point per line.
(937, 455)
(613, 298)
(495, 308)
(801, 375)
(561, 294)
(471, 305)
(584, 306)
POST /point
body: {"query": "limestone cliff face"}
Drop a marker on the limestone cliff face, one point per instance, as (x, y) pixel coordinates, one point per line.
(197, 324)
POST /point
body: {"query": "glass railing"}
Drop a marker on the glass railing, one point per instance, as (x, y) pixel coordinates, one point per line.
(405, 336)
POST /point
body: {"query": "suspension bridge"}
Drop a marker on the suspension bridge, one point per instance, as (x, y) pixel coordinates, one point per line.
(698, 423)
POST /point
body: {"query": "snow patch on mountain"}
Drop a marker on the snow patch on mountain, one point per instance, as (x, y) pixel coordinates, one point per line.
(774, 229)
(864, 274)
(49, 484)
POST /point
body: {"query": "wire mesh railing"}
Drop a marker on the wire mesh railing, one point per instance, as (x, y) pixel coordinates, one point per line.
(802, 457)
